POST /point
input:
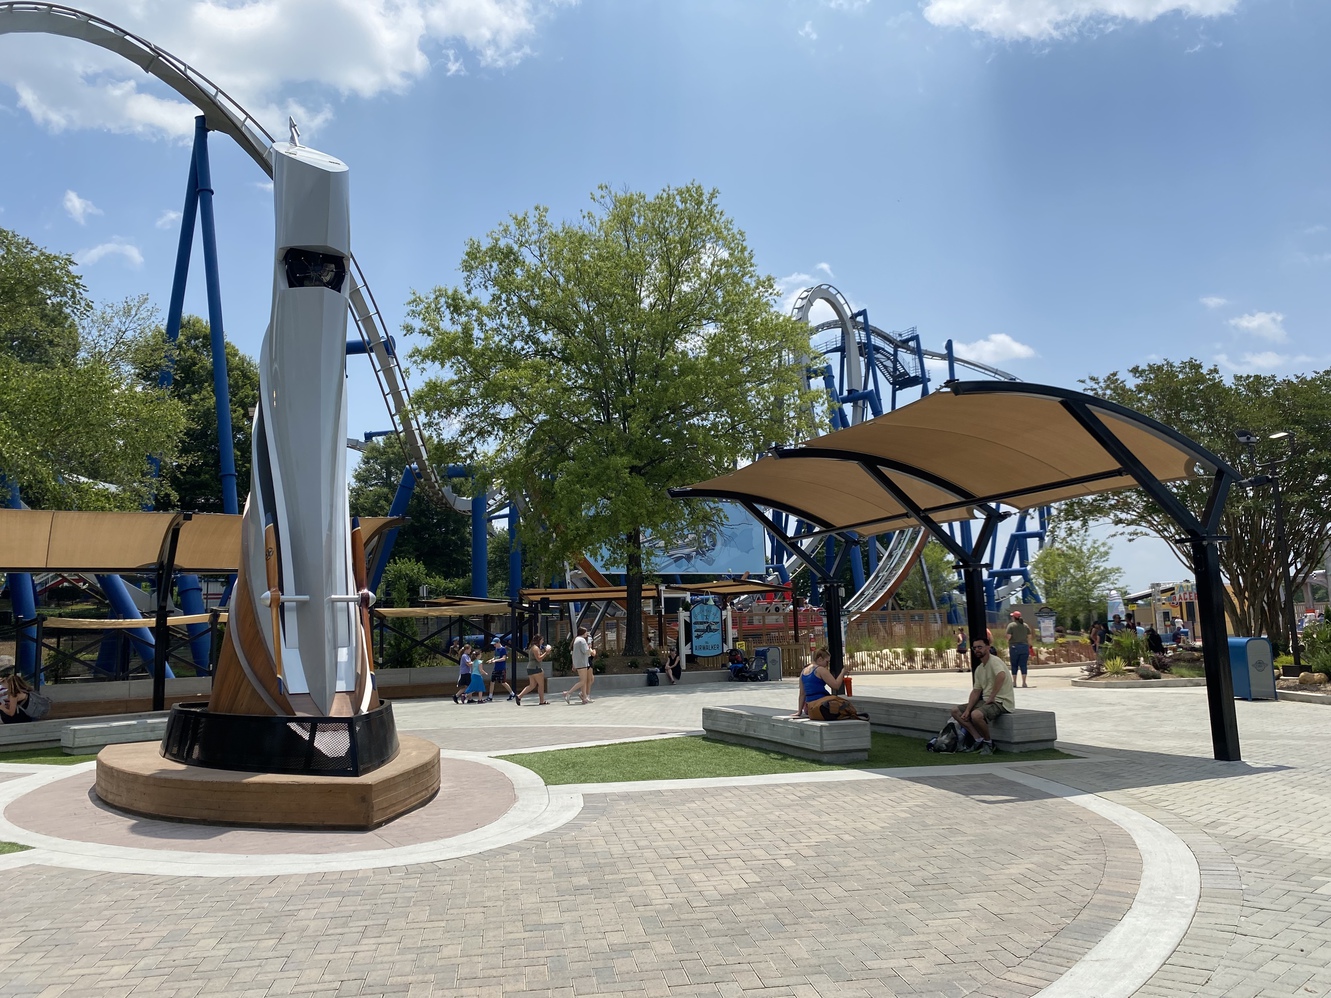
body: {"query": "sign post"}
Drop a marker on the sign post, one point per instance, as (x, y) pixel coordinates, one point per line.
(706, 626)
(1045, 619)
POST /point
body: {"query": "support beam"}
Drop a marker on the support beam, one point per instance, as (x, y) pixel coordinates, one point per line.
(166, 566)
(1215, 651)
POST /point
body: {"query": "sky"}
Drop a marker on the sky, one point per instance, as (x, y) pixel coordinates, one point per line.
(1061, 187)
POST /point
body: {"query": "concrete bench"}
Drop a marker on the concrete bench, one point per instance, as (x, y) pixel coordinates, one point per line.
(770, 728)
(85, 739)
(1023, 731)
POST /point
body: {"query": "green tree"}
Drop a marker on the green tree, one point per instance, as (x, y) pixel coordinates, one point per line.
(588, 366)
(193, 481)
(42, 302)
(913, 594)
(1199, 402)
(1074, 574)
(437, 538)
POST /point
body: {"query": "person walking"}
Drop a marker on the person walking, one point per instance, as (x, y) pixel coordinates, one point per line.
(499, 673)
(582, 667)
(1018, 646)
(537, 652)
(464, 672)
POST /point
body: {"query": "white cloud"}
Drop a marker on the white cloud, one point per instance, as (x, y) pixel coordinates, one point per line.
(1049, 19)
(1314, 230)
(847, 4)
(994, 349)
(826, 268)
(808, 32)
(261, 52)
(79, 208)
(1266, 325)
(167, 219)
(1211, 301)
(116, 247)
(1265, 360)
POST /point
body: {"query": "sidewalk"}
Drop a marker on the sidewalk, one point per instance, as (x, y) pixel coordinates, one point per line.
(1202, 878)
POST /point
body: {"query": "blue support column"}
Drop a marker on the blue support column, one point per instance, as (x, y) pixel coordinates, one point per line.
(514, 554)
(406, 488)
(217, 336)
(23, 600)
(140, 638)
(190, 591)
(480, 553)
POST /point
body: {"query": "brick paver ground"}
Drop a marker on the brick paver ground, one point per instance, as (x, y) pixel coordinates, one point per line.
(948, 885)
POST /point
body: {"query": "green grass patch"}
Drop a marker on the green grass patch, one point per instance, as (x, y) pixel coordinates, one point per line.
(695, 757)
(45, 757)
(1186, 672)
(12, 847)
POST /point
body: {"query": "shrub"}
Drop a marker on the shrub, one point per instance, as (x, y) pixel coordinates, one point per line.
(1161, 663)
(1114, 665)
(1093, 669)
(633, 663)
(1317, 645)
(1146, 672)
(1128, 648)
(561, 657)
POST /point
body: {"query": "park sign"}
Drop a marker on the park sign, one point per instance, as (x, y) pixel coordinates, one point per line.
(705, 619)
(1045, 617)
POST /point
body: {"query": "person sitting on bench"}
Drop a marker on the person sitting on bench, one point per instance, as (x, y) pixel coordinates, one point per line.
(820, 691)
(991, 697)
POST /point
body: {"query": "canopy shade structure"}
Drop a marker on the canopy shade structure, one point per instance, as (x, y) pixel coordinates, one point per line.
(952, 453)
(968, 451)
(44, 540)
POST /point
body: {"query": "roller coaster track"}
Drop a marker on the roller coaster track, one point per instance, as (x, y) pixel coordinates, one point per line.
(224, 114)
(904, 546)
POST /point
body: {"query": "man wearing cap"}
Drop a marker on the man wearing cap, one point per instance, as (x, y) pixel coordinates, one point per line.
(1018, 646)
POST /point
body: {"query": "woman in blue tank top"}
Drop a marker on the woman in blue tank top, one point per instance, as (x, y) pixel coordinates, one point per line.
(820, 691)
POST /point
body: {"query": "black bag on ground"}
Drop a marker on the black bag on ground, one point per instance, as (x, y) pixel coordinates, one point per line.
(653, 678)
(948, 739)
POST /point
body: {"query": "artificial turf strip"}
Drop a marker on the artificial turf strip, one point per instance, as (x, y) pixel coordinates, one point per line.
(695, 757)
(45, 757)
(12, 847)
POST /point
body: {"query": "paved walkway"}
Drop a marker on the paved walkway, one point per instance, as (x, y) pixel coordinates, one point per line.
(1143, 868)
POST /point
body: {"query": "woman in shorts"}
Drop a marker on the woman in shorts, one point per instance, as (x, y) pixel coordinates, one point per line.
(537, 652)
(464, 672)
(820, 691)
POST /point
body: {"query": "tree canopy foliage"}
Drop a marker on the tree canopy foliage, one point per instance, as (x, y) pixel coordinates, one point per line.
(193, 480)
(42, 303)
(1201, 403)
(76, 427)
(913, 593)
(437, 539)
(589, 365)
(1074, 574)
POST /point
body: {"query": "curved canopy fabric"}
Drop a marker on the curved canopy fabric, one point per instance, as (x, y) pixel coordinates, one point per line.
(977, 444)
(44, 540)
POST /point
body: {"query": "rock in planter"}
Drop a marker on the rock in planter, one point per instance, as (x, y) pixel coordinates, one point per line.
(1312, 679)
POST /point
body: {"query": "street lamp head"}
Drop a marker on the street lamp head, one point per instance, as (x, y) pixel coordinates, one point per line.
(1246, 437)
(1281, 435)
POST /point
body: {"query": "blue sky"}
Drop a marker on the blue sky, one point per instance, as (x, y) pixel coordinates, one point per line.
(1061, 189)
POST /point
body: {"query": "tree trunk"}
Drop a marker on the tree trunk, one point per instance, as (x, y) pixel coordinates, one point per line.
(633, 604)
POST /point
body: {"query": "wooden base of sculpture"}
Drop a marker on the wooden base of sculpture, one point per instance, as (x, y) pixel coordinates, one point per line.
(135, 778)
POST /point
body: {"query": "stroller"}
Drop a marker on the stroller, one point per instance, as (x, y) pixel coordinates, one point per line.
(741, 671)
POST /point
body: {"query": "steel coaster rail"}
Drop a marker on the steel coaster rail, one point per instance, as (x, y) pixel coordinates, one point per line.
(224, 113)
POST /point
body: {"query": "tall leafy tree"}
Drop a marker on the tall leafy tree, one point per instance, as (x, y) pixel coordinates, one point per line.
(1074, 573)
(1201, 403)
(193, 480)
(76, 430)
(589, 365)
(42, 302)
(913, 594)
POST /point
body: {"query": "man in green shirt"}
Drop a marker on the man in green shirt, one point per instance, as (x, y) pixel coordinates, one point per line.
(991, 697)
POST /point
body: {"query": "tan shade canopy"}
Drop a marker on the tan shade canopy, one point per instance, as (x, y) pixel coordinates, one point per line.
(1020, 445)
(42, 540)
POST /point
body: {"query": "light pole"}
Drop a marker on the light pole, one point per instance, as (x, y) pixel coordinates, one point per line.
(1270, 477)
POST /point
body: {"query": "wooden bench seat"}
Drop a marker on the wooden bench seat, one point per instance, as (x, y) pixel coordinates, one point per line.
(1023, 731)
(770, 728)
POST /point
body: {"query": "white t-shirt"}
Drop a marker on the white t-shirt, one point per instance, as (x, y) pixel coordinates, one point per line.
(582, 658)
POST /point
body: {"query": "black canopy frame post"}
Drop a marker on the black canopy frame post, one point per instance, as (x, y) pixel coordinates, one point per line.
(166, 569)
(827, 579)
(1203, 539)
(970, 563)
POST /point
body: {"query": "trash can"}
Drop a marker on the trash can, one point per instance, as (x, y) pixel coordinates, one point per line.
(1250, 665)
